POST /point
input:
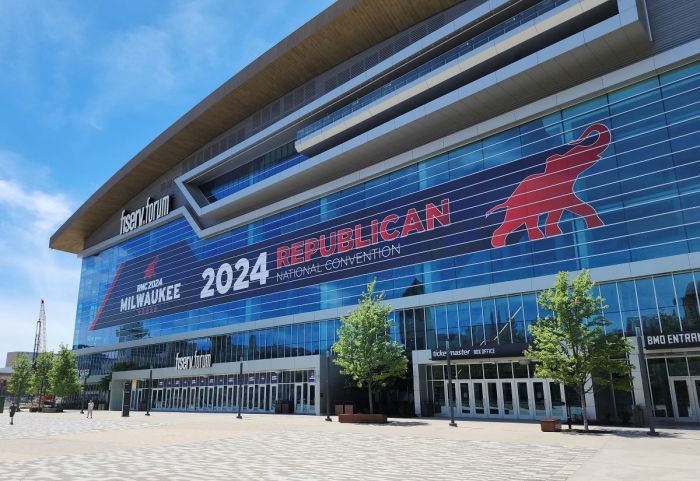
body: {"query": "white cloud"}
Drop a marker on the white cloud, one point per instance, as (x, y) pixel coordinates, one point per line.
(30, 270)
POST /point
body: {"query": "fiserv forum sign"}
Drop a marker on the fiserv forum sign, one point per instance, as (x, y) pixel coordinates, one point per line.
(458, 217)
(153, 210)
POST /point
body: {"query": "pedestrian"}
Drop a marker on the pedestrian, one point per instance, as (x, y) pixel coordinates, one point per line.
(13, 410)
(91, 406)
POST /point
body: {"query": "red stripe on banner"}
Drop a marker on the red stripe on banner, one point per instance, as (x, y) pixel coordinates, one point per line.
(104, 301)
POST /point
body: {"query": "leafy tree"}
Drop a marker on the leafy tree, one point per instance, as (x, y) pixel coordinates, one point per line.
(21, 377)
(571, 346)
(364, 349)
(64, 373)
(41, 377)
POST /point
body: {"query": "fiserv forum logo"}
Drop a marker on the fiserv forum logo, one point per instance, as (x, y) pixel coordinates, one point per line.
(552, 191)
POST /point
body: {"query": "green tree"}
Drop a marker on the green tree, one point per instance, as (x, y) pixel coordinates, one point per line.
(64, 373)
(41, 377)
(21, 377)
(571, 346)
(364, 349)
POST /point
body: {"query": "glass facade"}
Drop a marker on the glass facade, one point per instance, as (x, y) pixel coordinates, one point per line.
(434, 64)
(252, 172)
(646, 189)
(660, 304)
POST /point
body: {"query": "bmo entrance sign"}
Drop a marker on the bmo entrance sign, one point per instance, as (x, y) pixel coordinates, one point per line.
(667, 341)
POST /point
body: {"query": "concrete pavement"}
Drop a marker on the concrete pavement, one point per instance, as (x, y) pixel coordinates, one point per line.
(174, 446)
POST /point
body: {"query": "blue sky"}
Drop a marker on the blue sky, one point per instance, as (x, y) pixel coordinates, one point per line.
(84, 86)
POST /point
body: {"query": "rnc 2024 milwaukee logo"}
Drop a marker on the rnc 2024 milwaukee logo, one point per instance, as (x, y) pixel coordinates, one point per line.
(552, 191)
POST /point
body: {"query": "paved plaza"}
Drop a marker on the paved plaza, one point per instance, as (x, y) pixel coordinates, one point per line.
(198, 446)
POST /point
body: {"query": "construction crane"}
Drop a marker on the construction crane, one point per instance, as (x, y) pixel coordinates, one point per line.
(40, 336)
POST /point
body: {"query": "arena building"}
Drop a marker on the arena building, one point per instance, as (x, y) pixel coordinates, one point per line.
(461, 154)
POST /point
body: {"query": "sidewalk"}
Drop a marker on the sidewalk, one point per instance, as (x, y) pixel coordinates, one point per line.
(187, 445)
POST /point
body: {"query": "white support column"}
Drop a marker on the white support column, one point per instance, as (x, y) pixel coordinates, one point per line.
(637, 387)
(419, 358)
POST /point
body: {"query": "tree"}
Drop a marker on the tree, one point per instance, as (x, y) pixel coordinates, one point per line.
(64, 373)
(41, 377)
(21, 377)
(364, 349)
(571, 346)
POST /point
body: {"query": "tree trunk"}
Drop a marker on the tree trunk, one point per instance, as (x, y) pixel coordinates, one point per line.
(582, 393)
(369, 391)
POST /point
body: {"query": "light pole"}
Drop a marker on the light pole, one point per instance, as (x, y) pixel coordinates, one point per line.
(328, 386)
(150, 391)
(240, 389)
(450, 399)
(645, 382)
(83, 373)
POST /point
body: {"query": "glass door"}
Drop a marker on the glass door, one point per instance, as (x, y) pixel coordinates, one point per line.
(539, 399)
(685, 395)
(450, 398)
(261, 393)
(312, 398)
(202, 400)
(192, 398)
(273, 397)
(507, 397)
(479, 399)
(493, 398)
(300, 393)
(524, 409)
(464, 407)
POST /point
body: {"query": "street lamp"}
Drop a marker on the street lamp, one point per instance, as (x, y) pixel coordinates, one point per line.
(83, 374)
(328, 386)
(150, 391)
(645, 382)
(240, 389)
(450, 399)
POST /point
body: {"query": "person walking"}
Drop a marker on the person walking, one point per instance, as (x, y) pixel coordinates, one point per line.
(13, 410)
(91, 406)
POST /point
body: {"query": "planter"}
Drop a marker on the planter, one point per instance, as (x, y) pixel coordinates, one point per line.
(550, 425)
(427, 409)
(51, 410)
(363, 418)
(344, 408)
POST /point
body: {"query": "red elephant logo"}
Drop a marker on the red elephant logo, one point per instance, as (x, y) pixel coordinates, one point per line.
(552, 192)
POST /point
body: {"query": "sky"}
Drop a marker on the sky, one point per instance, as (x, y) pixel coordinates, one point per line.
(84, 86)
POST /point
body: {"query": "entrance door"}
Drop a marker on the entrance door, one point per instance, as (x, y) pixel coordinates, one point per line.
(479, 399)
(464, 406)
(685, 395)
(251, 397)
(262, 389)
(493, 397)
(523, 407)
(220, 398)
(300, 397)
(273, 397)
(507, 404)
(540, 401)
